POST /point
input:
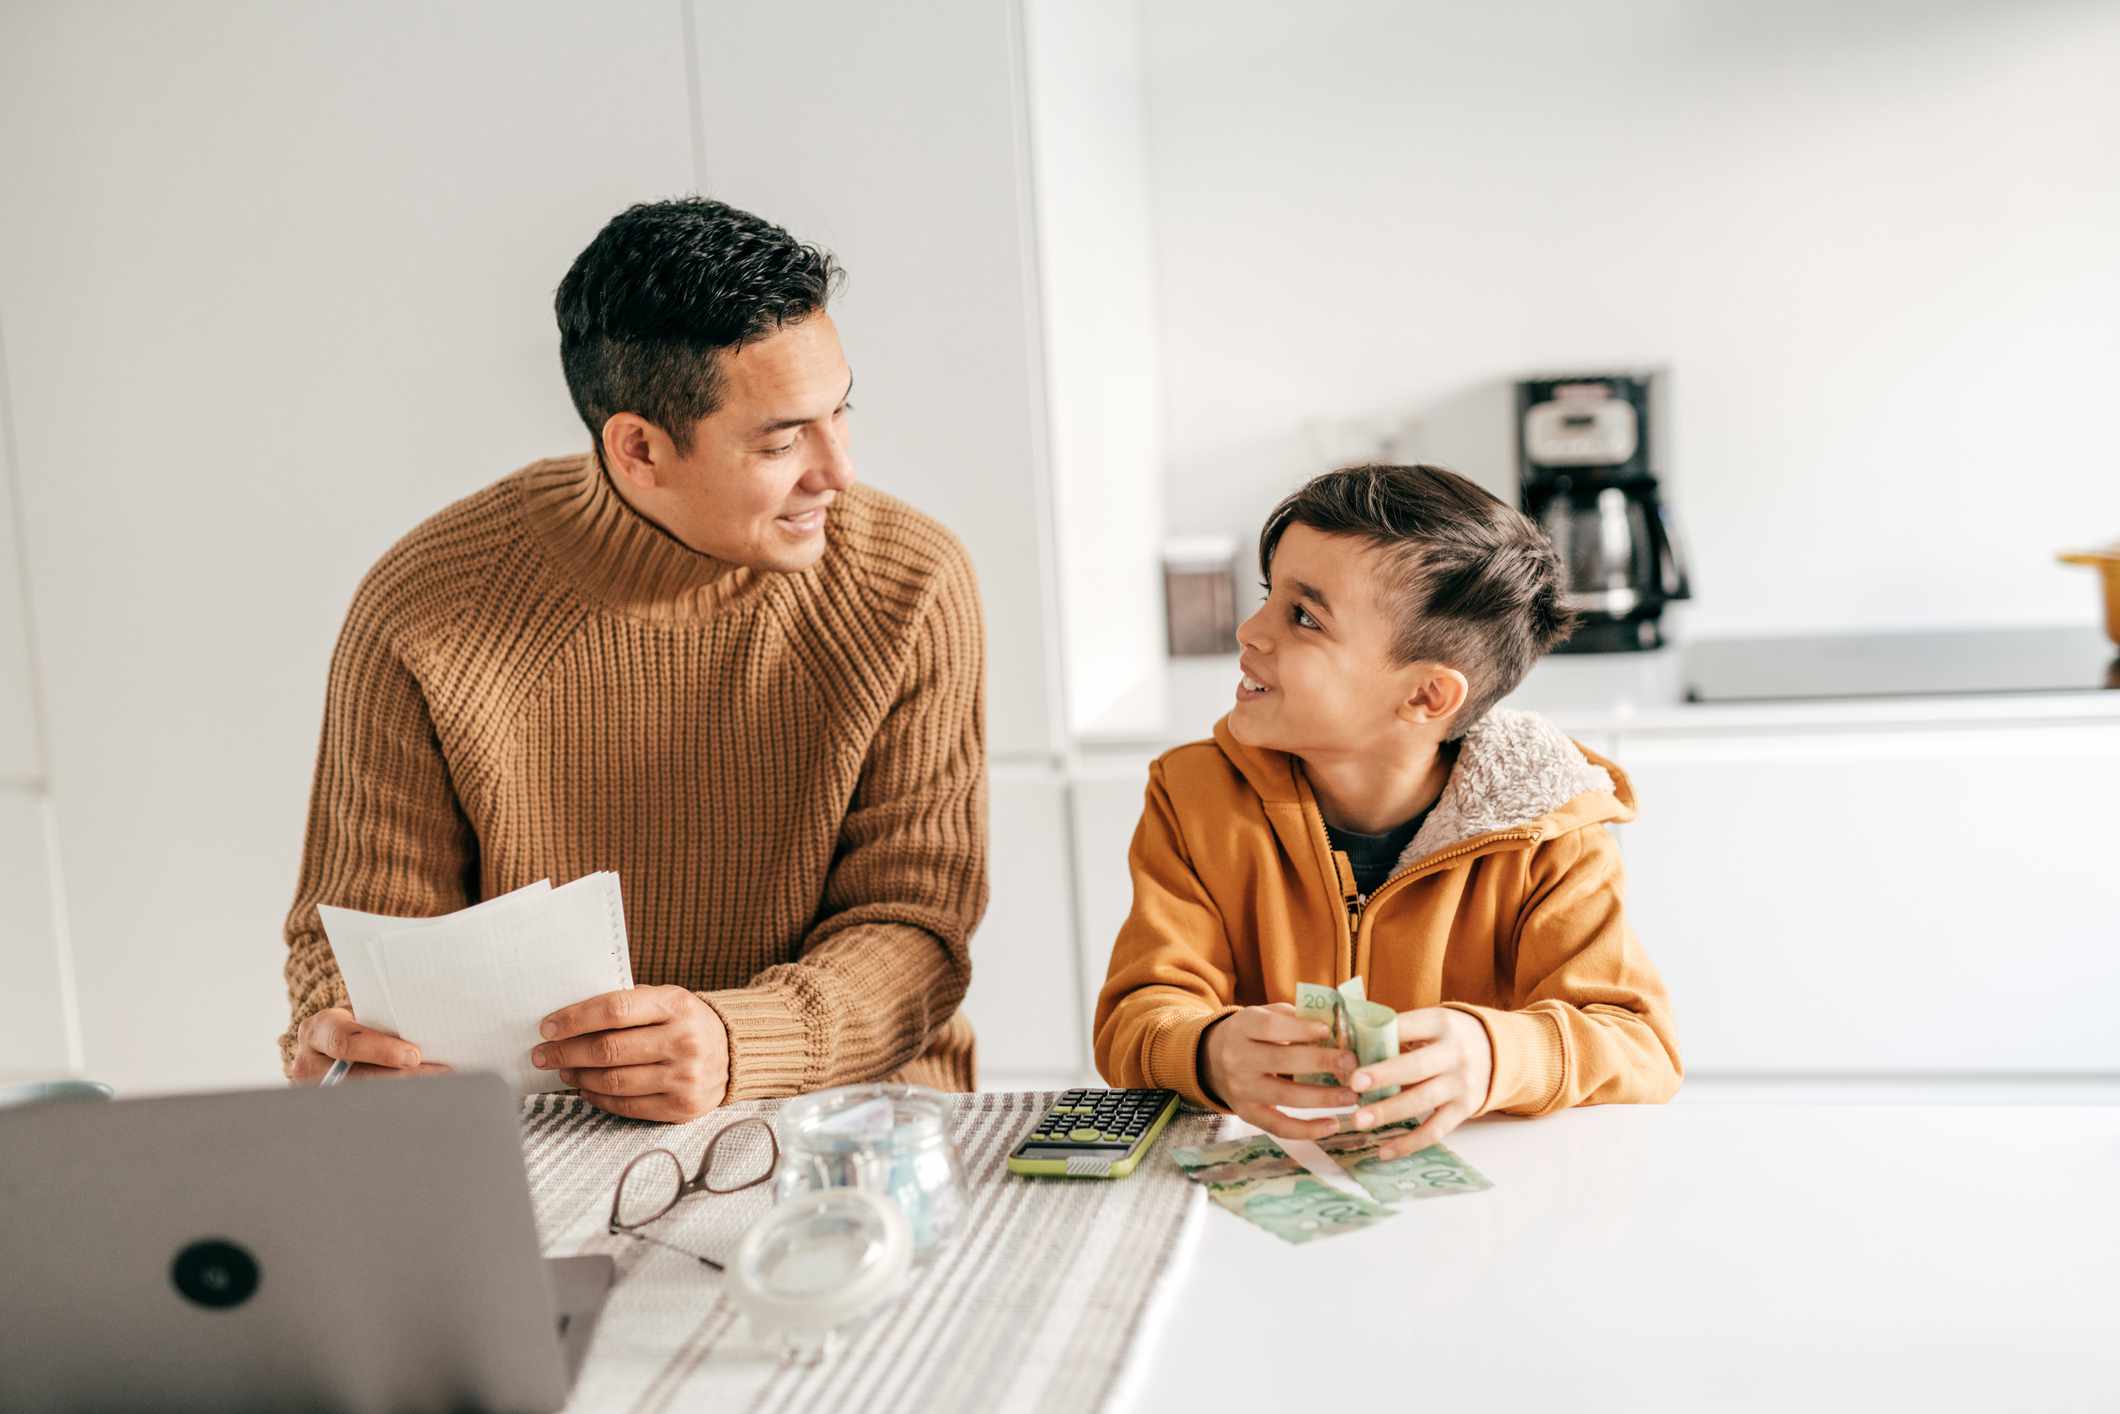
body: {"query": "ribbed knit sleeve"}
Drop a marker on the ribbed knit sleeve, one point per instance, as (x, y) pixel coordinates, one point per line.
(881, 971)
(386, 833)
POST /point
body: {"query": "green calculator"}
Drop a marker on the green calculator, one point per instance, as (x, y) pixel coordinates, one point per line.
(1094, 1133)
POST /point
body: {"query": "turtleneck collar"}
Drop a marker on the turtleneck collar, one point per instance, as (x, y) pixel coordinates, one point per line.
(619, 556)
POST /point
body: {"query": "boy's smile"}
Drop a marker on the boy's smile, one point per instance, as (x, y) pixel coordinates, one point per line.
(1316, 661)
(1321, 683)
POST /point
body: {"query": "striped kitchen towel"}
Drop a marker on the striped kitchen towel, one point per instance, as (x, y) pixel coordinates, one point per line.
(1045, 1300)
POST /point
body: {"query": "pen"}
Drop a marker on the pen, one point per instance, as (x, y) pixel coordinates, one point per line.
(337, 1073)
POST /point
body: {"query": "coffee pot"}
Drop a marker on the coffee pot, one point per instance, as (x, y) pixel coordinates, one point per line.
(1585, 448)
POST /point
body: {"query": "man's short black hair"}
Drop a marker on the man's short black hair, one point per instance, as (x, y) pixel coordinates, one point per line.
(663, 288)
(1470, 581)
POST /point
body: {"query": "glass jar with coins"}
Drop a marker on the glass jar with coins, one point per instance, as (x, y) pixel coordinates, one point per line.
(892, 1140)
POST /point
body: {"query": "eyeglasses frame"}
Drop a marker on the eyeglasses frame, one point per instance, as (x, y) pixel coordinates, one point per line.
(698, 1183)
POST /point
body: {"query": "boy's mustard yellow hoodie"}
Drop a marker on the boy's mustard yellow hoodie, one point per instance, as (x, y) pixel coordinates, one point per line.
(1506, 906)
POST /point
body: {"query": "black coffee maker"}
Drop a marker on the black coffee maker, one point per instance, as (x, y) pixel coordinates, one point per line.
(1587, 457)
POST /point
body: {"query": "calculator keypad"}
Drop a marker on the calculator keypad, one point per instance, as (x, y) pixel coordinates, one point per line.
(1102, 1119)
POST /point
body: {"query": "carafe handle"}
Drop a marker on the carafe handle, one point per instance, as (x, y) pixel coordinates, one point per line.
(1671, 559)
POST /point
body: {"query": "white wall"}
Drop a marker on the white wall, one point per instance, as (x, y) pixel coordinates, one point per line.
(894, 136)
(1874, 242)
(21, 753)
(276, 284)
(41, 1037)
(1089, 146)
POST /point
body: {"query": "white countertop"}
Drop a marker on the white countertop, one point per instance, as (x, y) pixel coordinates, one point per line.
(1688, 1257)
(1588, 694)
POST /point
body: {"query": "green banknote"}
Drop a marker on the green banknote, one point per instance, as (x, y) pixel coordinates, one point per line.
(1370, 1029)
(1318, 1003)
(1296, 1207)
(1292, 1204)
(1434, 1172)
(1352, 1143)
(1235, 1160)
(1374, 1030)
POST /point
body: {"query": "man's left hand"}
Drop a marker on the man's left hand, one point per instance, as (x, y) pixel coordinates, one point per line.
(646, 1053)
(1444, 1063)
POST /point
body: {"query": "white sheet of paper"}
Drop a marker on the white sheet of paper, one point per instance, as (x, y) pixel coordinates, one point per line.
(469, 988)
(353, 936)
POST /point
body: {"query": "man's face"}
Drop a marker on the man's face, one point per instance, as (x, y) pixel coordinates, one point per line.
(766, 462)
(1318, 675)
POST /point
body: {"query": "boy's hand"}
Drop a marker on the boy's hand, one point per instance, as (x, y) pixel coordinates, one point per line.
(1247, 1057)
(1444, 1063)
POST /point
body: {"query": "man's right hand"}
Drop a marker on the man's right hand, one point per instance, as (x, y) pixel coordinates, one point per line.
(1247, 1057)
(332, 1034)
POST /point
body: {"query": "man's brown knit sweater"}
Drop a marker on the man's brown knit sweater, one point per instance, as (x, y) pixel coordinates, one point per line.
(788, 771)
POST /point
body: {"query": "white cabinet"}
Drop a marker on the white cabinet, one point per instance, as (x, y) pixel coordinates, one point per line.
(1930, 896)
(1104, 807)
(1025, 998)
(1925, 900)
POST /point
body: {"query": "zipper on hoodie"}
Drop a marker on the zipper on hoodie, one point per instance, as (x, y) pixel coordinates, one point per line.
(1351, 899)
(1358, 903)
(1355, 903)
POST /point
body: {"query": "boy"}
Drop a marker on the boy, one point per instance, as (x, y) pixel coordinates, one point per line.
(1364, 811)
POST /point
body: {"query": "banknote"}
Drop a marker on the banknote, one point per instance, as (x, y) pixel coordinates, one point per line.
(1293, 1205)
(1251, 1148)
(1296, 1207)
(1369, 1029)
(1434, 1172)
(1317, 1003)
(1234, 1160)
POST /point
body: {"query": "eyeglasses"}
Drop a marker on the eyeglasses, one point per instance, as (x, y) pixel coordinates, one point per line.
(739, 1156)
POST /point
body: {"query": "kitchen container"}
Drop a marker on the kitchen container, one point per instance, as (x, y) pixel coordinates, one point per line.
(1200, 595)
(891, 1140)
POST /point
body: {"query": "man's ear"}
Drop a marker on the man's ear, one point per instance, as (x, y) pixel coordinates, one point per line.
(637, 450)
(1437, 695)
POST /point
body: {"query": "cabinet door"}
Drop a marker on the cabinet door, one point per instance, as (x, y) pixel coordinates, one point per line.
(1926, 901)
(33, 1043)
(1024, 998)
(1106, 806)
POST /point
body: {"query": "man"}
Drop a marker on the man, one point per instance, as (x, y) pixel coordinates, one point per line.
(698, 655)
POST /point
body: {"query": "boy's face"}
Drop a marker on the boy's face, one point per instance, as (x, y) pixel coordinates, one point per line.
(1318, 676)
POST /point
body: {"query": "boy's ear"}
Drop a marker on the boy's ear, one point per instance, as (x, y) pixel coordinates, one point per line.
(1437, 695)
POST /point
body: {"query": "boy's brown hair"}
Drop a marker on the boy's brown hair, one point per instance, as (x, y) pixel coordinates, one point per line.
(1470, 580)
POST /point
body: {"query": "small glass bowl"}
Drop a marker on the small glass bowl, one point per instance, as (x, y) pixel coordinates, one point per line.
(892, 1140)
(819, 1266)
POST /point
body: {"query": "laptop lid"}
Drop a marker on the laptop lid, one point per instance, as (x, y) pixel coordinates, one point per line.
(369, 1246)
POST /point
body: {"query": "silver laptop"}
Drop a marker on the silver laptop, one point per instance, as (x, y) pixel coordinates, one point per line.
(369, 1246)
